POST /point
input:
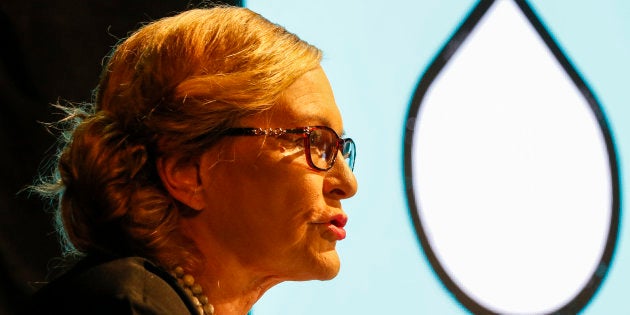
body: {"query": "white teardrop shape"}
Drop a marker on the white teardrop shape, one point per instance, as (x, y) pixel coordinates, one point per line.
(511, 171)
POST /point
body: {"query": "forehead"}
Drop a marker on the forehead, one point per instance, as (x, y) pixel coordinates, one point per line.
(309, 101)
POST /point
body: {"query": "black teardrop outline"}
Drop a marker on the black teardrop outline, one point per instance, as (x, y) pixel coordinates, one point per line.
(584, 297)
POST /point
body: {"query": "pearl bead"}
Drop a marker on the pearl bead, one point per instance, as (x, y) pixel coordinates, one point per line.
(188, 280)
(203, 299)
(195, 301)
(179, 272)
(196, 289)
(208, 309)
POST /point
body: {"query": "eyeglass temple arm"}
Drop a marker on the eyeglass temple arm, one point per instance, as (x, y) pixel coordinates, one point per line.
(263, 131)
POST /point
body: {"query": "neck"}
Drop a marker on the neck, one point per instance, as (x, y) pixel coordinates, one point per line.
(232, 287)
(232, 291)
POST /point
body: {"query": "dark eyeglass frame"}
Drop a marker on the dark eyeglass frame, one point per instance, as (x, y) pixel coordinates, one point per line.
(346, 145)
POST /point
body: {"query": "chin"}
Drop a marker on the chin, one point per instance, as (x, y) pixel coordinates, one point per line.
(329, 267)
(313, 265)
(330, 275)
(322, 267)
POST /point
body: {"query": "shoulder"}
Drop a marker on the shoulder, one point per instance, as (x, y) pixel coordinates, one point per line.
(130, 285)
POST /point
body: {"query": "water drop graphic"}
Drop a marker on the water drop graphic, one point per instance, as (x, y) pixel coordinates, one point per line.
(510, 168)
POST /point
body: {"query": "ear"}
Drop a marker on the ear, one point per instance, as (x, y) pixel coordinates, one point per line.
(181, 179)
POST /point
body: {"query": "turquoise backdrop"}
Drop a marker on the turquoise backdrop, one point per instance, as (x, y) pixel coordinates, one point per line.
(375, 53)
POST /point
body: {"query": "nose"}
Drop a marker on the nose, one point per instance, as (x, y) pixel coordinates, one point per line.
(340, 182)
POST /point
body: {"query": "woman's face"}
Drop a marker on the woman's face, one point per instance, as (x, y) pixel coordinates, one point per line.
(265, 206)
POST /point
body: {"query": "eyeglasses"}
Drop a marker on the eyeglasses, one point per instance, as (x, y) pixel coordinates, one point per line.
(321, 143)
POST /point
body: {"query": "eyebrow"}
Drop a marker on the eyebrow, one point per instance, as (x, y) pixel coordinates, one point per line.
(321, 121)
(314, 117)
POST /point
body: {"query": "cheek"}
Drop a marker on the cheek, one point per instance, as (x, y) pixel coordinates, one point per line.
(305, 192)
(266, 193)
(286, 208)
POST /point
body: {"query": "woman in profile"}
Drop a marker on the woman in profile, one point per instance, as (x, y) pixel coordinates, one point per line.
(209, 169)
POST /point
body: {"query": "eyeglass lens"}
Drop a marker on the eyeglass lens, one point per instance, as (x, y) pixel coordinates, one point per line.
(324, 146)
(349, 152)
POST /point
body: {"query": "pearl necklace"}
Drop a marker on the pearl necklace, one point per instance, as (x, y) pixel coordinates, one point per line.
(194, 291)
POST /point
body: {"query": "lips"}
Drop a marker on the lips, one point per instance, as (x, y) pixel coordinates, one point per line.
(336, 224)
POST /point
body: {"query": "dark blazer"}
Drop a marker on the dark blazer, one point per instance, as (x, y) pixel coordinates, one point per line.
(130, 285)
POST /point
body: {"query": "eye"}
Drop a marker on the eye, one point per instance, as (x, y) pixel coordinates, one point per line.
(316, 138)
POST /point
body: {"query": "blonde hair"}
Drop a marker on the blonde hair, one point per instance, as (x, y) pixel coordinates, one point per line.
(172, 86)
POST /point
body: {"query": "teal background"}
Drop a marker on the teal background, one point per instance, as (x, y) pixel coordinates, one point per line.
(374, 55)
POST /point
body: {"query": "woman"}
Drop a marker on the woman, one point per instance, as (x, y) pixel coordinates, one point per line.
(208, 170)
